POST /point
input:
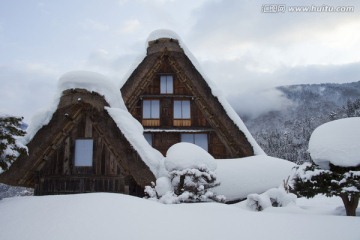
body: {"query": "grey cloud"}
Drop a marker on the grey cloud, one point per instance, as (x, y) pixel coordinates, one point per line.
(24, 92)
(253, 93)
(230, 21)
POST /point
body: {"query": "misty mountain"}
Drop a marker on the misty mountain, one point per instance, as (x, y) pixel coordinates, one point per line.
(285, 133)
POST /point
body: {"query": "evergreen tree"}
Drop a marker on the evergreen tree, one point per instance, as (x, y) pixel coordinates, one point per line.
(309, 180)
(10, 148)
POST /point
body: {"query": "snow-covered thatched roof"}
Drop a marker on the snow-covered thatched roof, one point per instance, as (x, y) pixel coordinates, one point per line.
(166, 43)
(127, 124)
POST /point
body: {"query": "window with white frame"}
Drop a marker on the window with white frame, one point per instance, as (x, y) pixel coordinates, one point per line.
(182, 109)
(199, 139)
(151, 109)
(166, 84)
(84, 152)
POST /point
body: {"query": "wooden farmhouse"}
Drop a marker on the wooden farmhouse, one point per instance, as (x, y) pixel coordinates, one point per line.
(175, 104)
(84, 148)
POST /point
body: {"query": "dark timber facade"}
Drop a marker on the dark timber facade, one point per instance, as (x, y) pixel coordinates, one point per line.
(174, 103)
(53, 165)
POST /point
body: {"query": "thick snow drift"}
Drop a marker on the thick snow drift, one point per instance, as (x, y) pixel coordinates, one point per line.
(115, 216)
(241, 177)
(184, 155)
(336, 142)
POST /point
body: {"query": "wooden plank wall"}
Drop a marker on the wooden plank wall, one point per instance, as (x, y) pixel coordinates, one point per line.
(60, 176)
(163, 141)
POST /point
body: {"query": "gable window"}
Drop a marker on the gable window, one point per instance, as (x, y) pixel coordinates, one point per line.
(182, 113)
(182, 109)
(200, 140)
(151, 109)
(84, 152)
(166, 84)
(151, 113)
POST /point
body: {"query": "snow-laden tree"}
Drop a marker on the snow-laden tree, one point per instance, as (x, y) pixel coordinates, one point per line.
(10, 147)
(190, 179)
(335, 150)
(310, 180)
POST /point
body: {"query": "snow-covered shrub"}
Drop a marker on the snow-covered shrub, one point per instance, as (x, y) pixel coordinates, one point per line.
(257, 202)
(275, 197)
(191, 175)
(279, 197)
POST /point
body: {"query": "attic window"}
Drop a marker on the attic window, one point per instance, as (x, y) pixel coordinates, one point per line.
(182, 109)
(151, 109)
(166, 84)
(200, 140)
(84, 152)
(182, 113)
(151, 113)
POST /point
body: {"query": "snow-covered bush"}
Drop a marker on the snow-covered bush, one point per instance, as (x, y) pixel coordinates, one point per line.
(191, 175)
(10, 147)
(257, 202)
(275, 197)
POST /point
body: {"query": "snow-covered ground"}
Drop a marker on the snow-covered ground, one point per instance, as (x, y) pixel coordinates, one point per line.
(115, 216)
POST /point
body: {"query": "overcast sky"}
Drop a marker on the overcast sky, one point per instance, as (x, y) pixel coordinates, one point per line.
(245, 51)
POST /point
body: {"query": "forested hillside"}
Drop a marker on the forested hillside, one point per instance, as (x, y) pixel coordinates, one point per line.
(285, 133)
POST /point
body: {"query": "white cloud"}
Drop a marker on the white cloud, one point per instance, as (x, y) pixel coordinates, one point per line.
(231, 29)
(130, 26)
(90, 24)
(26, 88)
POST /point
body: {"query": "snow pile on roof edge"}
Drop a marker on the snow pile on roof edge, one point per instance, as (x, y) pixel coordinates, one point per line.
(129, 126)
(133, 132)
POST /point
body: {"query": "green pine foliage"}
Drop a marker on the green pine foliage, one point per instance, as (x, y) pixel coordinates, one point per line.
(10, 148)
(309, 180)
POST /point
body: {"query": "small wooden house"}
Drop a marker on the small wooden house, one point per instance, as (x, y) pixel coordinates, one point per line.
(83, 149)
(80, 150)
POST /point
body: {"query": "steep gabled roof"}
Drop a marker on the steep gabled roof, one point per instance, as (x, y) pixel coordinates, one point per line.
(74, 104)
(114, 122)
(220, 115)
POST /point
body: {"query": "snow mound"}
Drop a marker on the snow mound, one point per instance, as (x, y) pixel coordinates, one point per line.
(336, 142)
(184, 155)
(240, 177)
(93, 82)
(162, 33)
